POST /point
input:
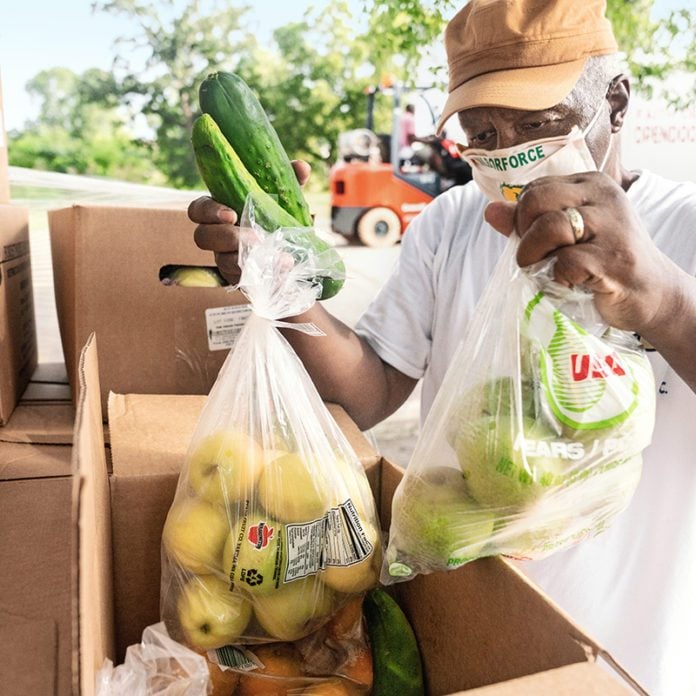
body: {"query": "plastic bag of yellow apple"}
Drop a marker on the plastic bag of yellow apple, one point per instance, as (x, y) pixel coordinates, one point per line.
(273, 526)
(534, 440)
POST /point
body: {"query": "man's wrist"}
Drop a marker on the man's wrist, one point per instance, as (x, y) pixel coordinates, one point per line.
(675, 313)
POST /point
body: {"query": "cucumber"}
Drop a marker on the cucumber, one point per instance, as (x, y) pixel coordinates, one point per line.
(242, 120)
(229, 182)
(395, 655)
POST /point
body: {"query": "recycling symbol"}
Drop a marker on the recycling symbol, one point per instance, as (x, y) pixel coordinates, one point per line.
(253, 578)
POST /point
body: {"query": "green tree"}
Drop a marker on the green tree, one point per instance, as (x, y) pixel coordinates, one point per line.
(313, 83)
(80, 129)
(159, 68)
(655, 49)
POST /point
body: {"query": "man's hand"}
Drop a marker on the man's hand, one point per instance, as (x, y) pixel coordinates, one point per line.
(217, 229)
(614, 258)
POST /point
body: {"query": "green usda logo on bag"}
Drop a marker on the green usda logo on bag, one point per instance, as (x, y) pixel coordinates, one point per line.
(587, 384)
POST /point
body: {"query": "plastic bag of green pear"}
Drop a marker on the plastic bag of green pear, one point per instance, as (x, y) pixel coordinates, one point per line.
(273, 526)
(534, 440)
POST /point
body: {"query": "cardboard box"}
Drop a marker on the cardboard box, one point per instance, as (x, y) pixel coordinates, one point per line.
(18, 351)
(36, 508)
(4, 172)
(481, 625)
(36, 594)
(153, 338)
(483, 629)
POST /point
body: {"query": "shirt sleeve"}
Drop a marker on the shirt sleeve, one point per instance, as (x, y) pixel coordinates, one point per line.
(398, 323)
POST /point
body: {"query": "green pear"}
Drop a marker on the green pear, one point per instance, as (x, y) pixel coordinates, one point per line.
(585, 505)
(436, 523)
(500, 475)
(500, 396)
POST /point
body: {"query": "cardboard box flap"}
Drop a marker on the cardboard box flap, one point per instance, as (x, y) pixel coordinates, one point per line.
(93, 594)
(582, 679)
(150, 433)
(63, 248)
(29, 461)
(28, 648)
(43, 423)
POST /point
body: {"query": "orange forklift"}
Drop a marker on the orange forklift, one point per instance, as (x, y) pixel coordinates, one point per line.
(374, 195)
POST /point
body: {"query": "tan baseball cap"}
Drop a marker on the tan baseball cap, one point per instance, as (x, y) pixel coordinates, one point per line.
(521, 54)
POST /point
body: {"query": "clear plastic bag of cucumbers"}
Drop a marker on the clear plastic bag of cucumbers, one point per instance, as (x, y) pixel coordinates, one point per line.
(534, 440)
(273, 526)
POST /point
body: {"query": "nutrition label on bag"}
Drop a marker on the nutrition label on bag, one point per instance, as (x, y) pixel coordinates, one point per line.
(337, 539)
(224, 324)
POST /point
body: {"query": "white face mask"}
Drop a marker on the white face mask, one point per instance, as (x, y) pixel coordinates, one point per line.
(501, 174)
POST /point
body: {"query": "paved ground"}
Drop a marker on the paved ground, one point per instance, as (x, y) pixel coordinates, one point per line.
(367, 270)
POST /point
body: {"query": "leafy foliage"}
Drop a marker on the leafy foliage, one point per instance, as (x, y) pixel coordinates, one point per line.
(159, 68)
(313, 87)
(654, 48)
(134, 122)
(81, 129)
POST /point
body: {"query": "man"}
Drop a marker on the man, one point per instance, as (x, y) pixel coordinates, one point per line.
(539, 73)
(407, 133)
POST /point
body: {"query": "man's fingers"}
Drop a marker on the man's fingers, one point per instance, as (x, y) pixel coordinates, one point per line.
(228, 266)
(216, 237)
(302, 171)
(500, 216)
(552, 231)
(206, 211)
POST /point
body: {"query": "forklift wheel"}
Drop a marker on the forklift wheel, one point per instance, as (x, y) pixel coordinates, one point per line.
(379, 227)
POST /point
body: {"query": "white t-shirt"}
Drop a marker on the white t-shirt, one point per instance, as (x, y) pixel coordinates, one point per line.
(633, 587)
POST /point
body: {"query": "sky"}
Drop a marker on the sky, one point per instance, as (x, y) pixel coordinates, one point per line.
(45, 33)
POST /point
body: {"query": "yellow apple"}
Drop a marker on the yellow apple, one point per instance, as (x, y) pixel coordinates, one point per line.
(210, 614)
(295, 609)
(194, 535)
(293, 490)
(359, 576)
(254, 555)
(224, 467)
(195, 277)
(354, 486)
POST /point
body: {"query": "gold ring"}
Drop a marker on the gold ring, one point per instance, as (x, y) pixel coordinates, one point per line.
(577, 223)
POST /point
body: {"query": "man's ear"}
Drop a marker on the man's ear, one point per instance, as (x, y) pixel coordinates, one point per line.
(618, 96)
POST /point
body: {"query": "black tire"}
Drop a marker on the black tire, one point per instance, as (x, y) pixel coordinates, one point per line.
(379, 227)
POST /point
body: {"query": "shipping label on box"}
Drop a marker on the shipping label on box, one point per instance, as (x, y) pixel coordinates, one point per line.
(17, 328)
